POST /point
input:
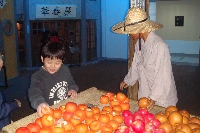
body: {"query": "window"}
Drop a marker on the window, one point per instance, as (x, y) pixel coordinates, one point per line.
(91, 40)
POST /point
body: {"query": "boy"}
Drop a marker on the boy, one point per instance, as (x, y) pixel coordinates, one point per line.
(53, 81)
(6, 107)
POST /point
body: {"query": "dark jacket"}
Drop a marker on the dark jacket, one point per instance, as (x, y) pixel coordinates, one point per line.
(50, 88)
(5, 109)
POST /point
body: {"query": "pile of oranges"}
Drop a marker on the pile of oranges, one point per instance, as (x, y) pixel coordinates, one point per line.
(79, 118)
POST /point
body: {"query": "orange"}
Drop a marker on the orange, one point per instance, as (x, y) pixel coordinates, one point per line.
(96, 116)
(96, 110)
(82, 106)
(118, 118)
(38, 121)
(110, 94)
(57, 113)
(117, 108)
(47, 120)
(104, 99)
(104, 112)
(114, 124)
(127, 100)
(50, 111)
(112, 97)
(104, 119)
(114, 113)
(62, 107)
(81, 128)
(89, 112)
(81, 113)
(57, 128)
(120, 97)
(107, 108)
(67, 125)
(90, 131)
(70, 131)
(75, 120)
(88, 120)
(125, 106)
(110, 115)
(71, 107)
(107, 128)
(114, 102)
(95, 125)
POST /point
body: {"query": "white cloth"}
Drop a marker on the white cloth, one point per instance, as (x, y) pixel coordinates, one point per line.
(152, 68)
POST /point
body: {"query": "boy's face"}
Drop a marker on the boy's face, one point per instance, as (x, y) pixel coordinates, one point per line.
(51, 65)
(1, 61)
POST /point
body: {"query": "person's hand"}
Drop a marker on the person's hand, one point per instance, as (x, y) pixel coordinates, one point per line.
(72, 93)
(123, 85)
(151, 105)
(19, 103)
(41, 109)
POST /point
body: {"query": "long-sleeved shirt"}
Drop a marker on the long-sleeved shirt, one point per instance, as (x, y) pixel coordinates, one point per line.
(50, 88)
(152, 67)
(5, 109)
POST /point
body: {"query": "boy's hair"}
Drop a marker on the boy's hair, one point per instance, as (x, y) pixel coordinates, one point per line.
(1, 52)
(54, 49)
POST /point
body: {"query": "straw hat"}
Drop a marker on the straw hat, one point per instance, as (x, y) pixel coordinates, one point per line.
(136, 22)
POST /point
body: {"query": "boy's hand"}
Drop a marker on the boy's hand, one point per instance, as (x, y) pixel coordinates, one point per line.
(19, 103)
(72, 93)
(41, 109)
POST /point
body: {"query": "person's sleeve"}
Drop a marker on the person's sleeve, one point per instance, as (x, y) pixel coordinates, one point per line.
(7, 107)
(71, 83)
(35, 93)
(133, 74)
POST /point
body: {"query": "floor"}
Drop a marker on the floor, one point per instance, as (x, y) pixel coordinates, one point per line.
(106, 75)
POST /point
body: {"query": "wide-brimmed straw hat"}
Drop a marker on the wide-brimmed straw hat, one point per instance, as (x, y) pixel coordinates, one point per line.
(136, 22)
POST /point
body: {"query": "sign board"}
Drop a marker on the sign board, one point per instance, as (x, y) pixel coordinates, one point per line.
(137, 3)
(55, 11)
(2, 3)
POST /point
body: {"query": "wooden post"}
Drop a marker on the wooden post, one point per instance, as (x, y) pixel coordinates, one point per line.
(133, 90)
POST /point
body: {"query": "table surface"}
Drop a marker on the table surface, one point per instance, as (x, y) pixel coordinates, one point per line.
(89, 96)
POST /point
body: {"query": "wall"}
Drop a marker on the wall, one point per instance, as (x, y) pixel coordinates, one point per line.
(113, 45)
(7, 12)
(181, 39)
(116, 45)
(93, 11)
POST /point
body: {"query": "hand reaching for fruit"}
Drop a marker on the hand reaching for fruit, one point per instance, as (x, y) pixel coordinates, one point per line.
(151, 105)
(123, 85)
(72, 93)
(41, 109)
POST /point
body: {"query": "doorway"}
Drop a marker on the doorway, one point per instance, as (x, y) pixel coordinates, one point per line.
(65, 29)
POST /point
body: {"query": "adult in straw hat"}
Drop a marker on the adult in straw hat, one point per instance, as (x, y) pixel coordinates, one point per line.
(151, 64)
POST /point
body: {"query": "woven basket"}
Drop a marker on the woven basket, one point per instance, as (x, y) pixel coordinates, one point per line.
(89, 96)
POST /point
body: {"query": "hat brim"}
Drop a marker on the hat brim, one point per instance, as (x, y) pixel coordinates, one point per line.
(143, 27)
